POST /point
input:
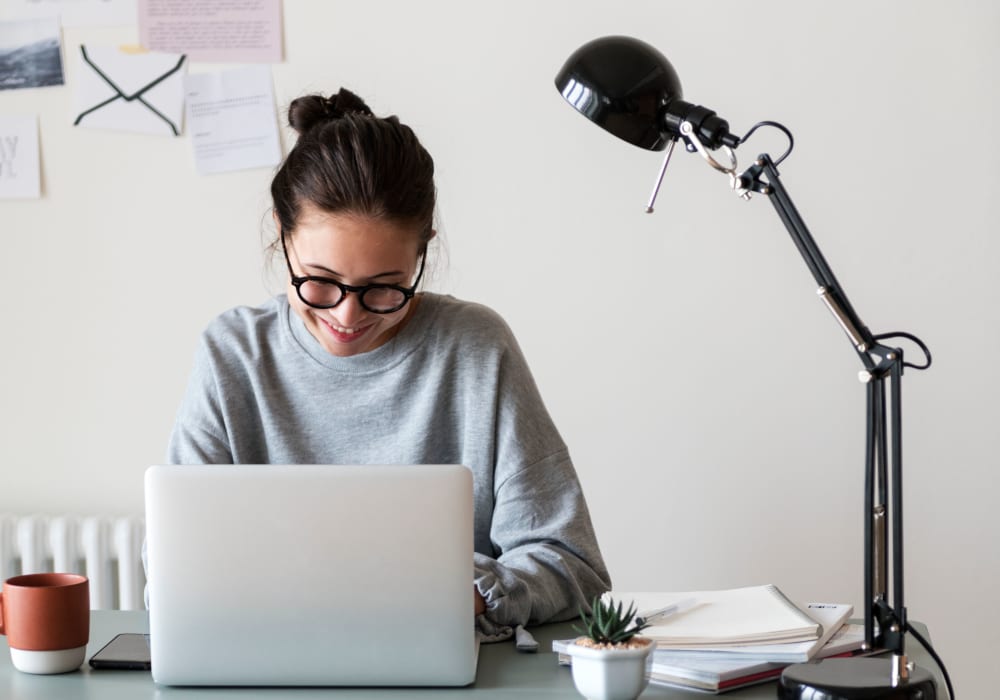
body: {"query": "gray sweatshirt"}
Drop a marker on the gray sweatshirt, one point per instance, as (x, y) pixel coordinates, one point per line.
(451, 388)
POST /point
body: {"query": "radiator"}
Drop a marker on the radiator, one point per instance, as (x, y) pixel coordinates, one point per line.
(107, 550)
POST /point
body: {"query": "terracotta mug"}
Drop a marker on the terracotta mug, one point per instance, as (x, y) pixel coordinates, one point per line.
(46, 618)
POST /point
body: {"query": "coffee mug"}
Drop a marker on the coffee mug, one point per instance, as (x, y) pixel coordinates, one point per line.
(46, 618)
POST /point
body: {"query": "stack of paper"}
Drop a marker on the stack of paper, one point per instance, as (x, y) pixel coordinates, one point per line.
(722, 672)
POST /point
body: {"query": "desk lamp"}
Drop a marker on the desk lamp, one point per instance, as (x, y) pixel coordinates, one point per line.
(630, 89)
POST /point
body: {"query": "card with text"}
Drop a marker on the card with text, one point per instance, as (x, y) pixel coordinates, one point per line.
(20, 169)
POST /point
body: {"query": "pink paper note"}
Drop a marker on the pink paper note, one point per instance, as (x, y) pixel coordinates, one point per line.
(214, 31)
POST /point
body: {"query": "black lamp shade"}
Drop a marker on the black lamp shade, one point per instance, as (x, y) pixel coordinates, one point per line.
(623, 85)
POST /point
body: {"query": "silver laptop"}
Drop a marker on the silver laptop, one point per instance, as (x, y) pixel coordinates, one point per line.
(311, 575)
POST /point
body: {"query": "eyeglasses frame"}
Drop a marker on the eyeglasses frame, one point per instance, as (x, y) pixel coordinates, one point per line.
(345, 289)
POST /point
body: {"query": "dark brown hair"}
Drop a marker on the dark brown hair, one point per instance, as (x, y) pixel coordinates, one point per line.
(347, 160)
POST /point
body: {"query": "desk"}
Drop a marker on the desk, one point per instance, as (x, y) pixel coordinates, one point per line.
(503, 673)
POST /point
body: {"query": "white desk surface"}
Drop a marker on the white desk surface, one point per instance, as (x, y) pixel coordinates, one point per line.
(503, 673)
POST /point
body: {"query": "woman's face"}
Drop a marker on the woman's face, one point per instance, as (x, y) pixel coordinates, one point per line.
(355, 250)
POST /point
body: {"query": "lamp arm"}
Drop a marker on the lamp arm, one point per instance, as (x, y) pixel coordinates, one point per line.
(883, 439)
(829, 289)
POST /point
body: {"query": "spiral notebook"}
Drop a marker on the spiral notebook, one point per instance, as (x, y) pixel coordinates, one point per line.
(736, 616)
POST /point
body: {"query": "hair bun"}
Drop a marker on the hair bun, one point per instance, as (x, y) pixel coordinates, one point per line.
(306, 112)
(346, 102)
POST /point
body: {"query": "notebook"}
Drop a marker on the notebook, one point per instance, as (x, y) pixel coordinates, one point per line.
(310, 575)
(749, 615)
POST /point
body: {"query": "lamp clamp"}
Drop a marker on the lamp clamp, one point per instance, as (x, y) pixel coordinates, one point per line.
(693, 143)
(749, 181)
(740, 184)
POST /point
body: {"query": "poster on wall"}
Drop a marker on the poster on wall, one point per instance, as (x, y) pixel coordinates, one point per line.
(20, 171)
(208, 31)
(30, 54)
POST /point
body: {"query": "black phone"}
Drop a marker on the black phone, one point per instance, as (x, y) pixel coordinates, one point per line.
(126, 651)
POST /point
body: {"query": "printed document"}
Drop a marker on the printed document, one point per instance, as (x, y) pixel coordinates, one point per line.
(232, 119)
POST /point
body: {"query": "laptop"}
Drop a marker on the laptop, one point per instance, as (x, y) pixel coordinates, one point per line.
(315, 575)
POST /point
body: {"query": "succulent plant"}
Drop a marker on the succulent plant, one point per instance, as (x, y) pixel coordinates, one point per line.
(608, 623)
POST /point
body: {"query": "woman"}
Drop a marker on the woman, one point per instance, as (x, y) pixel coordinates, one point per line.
(353, 366)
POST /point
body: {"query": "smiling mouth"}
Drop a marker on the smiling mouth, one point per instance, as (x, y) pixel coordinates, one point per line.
(341, 329)
(344, 333)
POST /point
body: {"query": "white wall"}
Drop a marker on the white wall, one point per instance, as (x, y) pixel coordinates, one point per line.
(710, 401)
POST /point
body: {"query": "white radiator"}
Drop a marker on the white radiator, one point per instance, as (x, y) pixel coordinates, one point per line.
(107, 550)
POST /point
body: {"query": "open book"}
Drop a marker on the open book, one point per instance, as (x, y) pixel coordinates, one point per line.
(737, 616)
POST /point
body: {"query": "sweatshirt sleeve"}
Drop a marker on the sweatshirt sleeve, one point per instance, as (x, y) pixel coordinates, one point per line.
(546, 563)
(549, 563)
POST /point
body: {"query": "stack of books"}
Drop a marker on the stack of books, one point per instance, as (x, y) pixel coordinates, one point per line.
(738, 637)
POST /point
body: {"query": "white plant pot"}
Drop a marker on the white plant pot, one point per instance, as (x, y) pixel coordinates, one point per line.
(611, 674)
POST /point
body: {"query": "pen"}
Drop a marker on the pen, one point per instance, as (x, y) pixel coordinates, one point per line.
(666, 611)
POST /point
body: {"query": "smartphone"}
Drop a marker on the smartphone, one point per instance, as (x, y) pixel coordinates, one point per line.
(125, 651)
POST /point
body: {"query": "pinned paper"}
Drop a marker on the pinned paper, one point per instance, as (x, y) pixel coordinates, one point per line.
(30, 54)
(232, 119)
(79, 13)
(20, 172)
(248, 31)
(141, 93)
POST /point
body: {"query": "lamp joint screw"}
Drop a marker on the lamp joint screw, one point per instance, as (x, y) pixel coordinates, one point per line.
(864, 376)
(891, 356)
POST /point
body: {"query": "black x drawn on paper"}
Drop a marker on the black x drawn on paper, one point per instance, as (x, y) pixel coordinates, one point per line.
(128, 98)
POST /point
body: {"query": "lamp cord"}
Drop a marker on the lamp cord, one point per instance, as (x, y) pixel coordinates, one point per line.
(937, 659)
(780, 127)
(915, 339)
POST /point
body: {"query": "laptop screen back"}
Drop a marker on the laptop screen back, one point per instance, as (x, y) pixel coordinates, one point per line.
(310, 575)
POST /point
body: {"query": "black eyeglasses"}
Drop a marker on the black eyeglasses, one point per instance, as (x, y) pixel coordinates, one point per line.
(326, 293)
